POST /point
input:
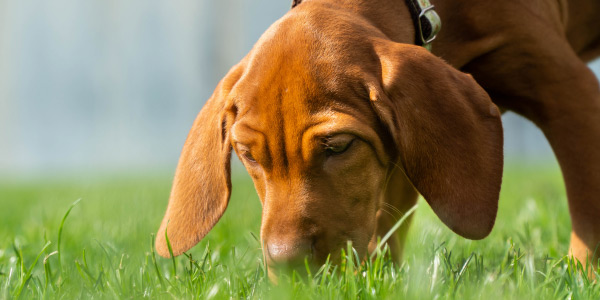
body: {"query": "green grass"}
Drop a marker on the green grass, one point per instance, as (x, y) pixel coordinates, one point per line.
(106, 248)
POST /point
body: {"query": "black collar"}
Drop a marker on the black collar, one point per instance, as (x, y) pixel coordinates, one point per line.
(426, 21)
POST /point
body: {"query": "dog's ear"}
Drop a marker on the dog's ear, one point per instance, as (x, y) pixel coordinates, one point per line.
(202, 183)
(447, 132)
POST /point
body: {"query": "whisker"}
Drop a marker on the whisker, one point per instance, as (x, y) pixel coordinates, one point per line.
(389, 213)
(394, 209)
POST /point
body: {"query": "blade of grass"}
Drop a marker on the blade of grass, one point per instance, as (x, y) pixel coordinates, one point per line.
(171, 251)
(27, 275)
(393, 229)
(60, 230)
(463, 269)
(158, 274)
(47, 269)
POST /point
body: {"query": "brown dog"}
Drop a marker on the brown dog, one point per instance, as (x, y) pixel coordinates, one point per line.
(336, 113)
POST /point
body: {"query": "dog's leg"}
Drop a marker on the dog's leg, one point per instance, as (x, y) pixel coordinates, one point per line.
(399, 197)
(574, 133)
(547, 83)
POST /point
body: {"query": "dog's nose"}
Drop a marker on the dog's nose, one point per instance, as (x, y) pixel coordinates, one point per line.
(288, 254)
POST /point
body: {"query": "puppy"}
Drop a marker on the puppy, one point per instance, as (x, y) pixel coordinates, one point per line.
(340, 109)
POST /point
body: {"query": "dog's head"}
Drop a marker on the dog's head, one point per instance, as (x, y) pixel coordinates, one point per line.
(320, 112)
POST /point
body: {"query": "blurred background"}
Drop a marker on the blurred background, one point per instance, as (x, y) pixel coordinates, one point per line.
(114, 86)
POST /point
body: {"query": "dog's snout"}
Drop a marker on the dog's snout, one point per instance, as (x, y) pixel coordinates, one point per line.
(288, 254)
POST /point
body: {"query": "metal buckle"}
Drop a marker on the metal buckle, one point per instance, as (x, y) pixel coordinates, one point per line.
(428, 41)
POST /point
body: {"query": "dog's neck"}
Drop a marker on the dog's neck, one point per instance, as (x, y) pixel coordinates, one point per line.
(392, 17)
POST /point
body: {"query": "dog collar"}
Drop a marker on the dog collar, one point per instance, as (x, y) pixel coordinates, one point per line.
(427, 22)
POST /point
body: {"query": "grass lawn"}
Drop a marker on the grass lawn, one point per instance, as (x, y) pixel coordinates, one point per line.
(106, 247)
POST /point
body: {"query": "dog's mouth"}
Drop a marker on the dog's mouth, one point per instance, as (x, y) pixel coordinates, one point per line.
(310, 258)
(314, 264)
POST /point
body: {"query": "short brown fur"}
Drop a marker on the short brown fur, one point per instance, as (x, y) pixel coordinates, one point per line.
(340, 120)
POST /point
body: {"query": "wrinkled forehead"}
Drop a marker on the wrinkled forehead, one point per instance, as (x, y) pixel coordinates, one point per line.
(296, 99)
(292, 109)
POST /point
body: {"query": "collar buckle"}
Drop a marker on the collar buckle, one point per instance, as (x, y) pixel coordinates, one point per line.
(427, 22)
(427, 40)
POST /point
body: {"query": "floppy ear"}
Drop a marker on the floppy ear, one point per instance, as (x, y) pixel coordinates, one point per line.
(448, 135)
(202, 183)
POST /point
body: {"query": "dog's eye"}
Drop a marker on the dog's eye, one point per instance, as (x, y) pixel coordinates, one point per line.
(244, 152)
(248, 156)
(337, 148)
